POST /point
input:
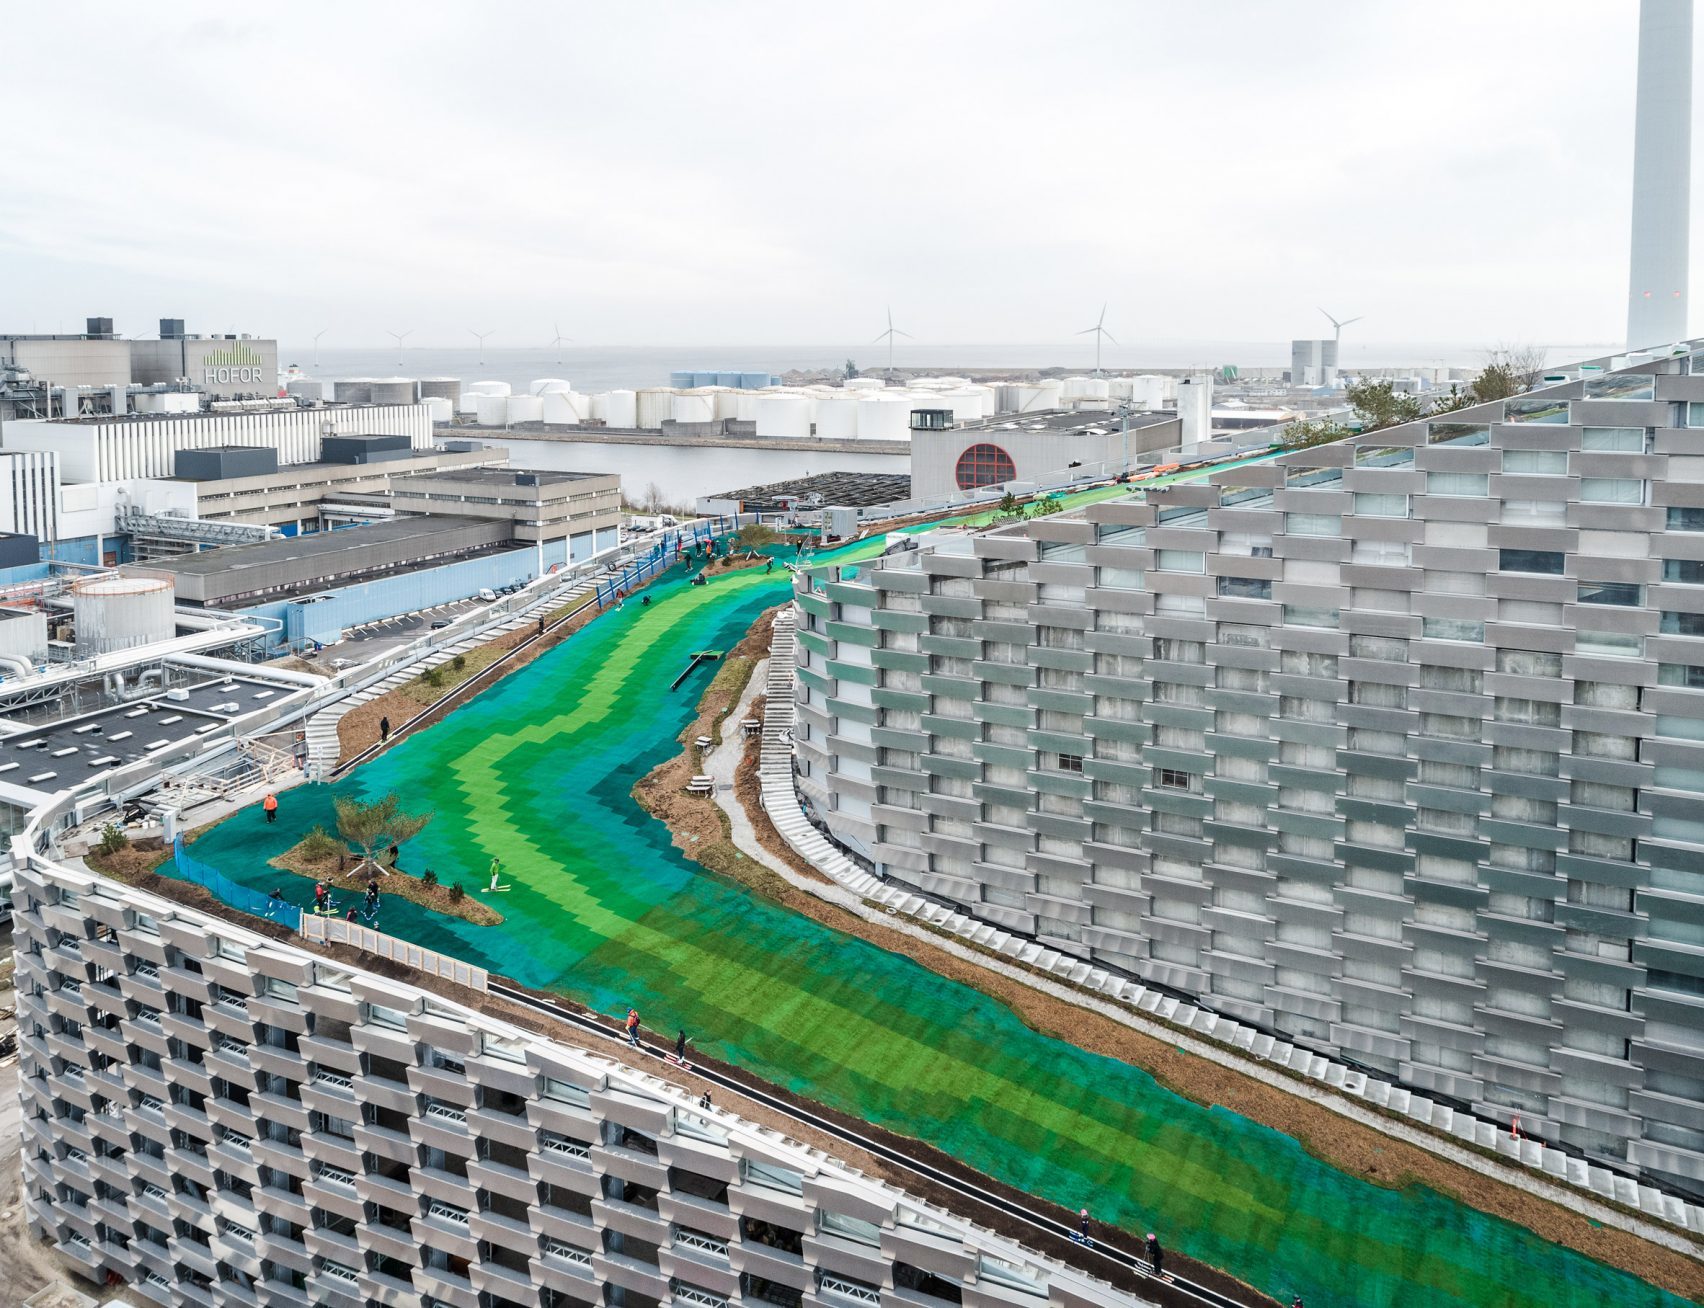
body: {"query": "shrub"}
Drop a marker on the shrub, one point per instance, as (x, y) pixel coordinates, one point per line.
(319, 845)
(428, 878)
(459, 662)
(433, 677)
(457, 893)
(112, 839)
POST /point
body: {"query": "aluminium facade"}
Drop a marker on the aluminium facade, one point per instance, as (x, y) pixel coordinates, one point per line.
(1393, 746)
(218, 1118)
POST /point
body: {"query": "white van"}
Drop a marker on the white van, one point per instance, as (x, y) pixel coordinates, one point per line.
(488, 595)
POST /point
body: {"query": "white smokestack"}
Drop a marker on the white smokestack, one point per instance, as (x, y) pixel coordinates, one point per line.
(1662, 175)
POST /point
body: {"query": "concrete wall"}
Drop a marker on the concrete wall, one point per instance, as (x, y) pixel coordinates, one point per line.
(1038, 455)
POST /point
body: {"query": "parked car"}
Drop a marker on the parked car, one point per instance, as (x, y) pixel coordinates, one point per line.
(340, 664)
(487, 594)
(438, 624)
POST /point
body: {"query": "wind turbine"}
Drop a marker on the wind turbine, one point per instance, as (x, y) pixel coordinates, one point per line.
(1098, 331)
(321, 332)
(480, 337)
(558, 339)
(888, 336)
(399, 338)
(1338, 326)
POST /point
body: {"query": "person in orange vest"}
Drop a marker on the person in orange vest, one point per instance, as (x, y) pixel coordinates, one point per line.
(270, 804)
(632, 1025)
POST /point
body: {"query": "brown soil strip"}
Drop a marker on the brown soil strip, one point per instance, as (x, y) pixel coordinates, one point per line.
(346, 868)
(136, 858)
(700, 831)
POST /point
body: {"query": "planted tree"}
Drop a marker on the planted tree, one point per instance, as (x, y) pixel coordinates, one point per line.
(1379, 404)
(1302, 434)
(754, 536)
(375, 826)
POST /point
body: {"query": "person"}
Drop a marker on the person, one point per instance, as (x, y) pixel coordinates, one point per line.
(680, 1047)
(541, 625)
(1082, 1226)
(644, 601)
(353, 915)
(395, 854)
(496, 870)
(632, 1025)
(769, 567)
(274, 901)
(620, 600)
(1296, 1302)
(322, 897)
(1156, 1255)
(270, 804)
(700, 580)
(704, 1100)
(384, 730)
(372, 898)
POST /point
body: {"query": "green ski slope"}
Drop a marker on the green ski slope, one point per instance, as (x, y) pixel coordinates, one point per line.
(537, 771)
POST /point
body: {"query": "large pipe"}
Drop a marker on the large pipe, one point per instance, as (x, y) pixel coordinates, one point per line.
(232, 668)
(1662, 176)
(18, 667)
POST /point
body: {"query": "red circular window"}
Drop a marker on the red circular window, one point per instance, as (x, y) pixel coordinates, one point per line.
(984, 465)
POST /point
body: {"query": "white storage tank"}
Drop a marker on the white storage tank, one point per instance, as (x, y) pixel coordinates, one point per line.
(113, 613)
(544, 385)
(837, 416)
(559, 407)
(394, 390)
(440, 407)
(1149, 391)
(883, 417)
(491, 410)
(782, 413)
(693, 406)
(727, 400)
(745, 405)
(864, 383)
(449, 388)
(354, 390)
(623, 410)
(655, 406)
(525, 408)
(488, 387)
(303, 388)
(965, 402)
(598, 408)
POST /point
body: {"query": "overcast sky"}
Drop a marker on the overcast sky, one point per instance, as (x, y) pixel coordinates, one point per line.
(762, 173)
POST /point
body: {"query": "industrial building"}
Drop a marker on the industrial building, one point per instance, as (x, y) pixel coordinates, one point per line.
(216, 1117)
(1313, 363)
(1032, 449)
(219, 367)
(537, 505)
(1389, 746)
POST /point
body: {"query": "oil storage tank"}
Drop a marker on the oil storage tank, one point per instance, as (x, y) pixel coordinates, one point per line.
(394, 390)
(694, 406)
(113, 613)
(445, 388)
(837, 417)
(784, 414)
(622, 410)
(354, 390)
(655, 404)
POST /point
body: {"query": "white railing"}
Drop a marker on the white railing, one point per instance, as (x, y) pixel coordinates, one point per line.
(337, 931)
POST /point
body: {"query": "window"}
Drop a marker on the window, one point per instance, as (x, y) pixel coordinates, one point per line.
(1475, 485)
(1686, 519)
(1682, 624)
(1245, 588)
(984, 465)
(1613, 440)
(1545, 561)
(1535, 463)
(1457, 433)
(1326, 524)
(1613, 644)
(1381, 506)
(1611, 490)
(1452, 629)
(1689, 675)
(1383, 456)
(1622, 593)
(1070, 762)
(1688, 572)
(1180, 561)
(1554, 412)
(1172, 779)
(1297, 616)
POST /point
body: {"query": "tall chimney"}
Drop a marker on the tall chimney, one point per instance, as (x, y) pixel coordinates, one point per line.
(1662, 175)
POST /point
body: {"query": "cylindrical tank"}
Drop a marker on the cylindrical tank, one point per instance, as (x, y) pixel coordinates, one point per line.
(865, 383)
(449, 388)
(488, 387)
(468, 402)
(727, 402)
(559, 408)
(623, 410)
(114, 613)
(753, 381)
(693, 406)
(354, 390)
(1118, 387)
(783, 414)
(544, 385)
(1074, 388)
(491, 410)
(965, 402)
(655, 404)
(681, 380)
(394, 390)
(440, 407)
(883, 417)
(745, 405)
(303, 388)
(526, 408)
(701, 379)
(837, 416)
(598, 410)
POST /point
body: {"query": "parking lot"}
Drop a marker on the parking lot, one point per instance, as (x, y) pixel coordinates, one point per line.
(380, 638)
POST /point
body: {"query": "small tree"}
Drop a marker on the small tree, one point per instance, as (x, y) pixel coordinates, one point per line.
(1379, 404)
(113, 839)
(851, 370)
(1048, 503)
(754, 536)
(1008, 507)
(1303, 434)
(319, 845)
(376, 826)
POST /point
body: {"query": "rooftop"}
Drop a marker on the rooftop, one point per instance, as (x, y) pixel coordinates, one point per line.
(234, 415)
(504, 476)
(344, 540)
(1067, 420)
(854, 490)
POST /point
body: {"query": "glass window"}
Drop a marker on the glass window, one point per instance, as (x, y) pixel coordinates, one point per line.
(1613, 440)
(1180, 561)
(1554, 412)
(1622, 386)
(1470, 484)
(1695, 414)
(1245, 588)
(1381, 506)
(1623, 593)
(1326, 524)
(1452, 629)
(1545, 561)
(1682, 624)
(1308, 478)
(1686, 519)
(1383, 456)
(1457, 433)
(1611, 644)
(1304, 617)
(1689, 675)
(984, 465)
(1536, 463)
(1688, 572)
(1172, 779)
(1611, 490)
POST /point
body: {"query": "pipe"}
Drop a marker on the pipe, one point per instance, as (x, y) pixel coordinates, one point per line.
(14, 663)
(232, 668)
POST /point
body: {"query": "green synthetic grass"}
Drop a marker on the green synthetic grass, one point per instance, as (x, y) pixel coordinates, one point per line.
(537, 771)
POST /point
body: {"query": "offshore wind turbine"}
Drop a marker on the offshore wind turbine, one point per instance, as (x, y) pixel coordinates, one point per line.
(888, 336)
(557, 340)
(480, 337)
(321, 332)
(1337, 326)
(399, 338)
(1098, 331)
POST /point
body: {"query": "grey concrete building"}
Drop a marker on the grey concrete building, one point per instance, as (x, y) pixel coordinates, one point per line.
(218, 1118)
(1393, 747)
(1035, 448)
(538, 505)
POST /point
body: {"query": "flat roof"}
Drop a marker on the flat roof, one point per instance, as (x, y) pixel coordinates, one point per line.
(506, 476)
(1066, 420)
(215, 415)
(315, 545)
(853, 490)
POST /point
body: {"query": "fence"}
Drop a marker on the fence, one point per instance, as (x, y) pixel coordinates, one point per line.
(338, 931)
(237, 896)
(658, 558)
